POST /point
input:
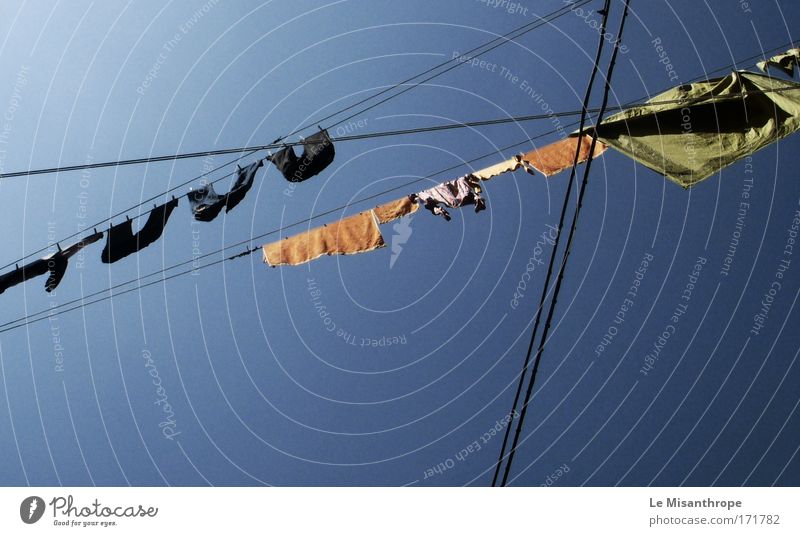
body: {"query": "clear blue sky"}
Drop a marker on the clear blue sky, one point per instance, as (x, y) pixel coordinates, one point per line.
(260, 391)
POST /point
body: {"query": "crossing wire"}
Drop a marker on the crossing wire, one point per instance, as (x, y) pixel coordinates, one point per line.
(523, 374)
(565, 257)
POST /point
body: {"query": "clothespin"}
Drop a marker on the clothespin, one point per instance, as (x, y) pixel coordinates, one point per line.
(246, 252)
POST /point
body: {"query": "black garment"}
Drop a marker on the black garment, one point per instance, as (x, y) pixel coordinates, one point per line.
(122, 242)
(318, 153)
(22, 274)
(55, 264)
(244, 181)
(57, 267)
(206, 204)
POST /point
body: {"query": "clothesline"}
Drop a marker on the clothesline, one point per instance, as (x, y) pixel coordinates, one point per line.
(254, 150)
(208, 192)
(322, 149)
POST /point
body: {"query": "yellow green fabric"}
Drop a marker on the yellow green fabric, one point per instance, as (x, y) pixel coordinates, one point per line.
(700, 128)
(786, 62)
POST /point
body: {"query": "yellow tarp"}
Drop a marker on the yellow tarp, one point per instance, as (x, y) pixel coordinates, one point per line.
(700, 128)
(786, 62)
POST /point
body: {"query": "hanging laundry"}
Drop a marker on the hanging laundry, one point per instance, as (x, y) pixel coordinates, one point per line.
(28, 271)
(206, 204)
(318, 153)
(121, 240)
(244, 181)
(64, 255)
(703, 127)
(355, 234)
(556, 157)
(453, 194)
(786, 62)
(55, 264)
(395, 209)
(507, 166)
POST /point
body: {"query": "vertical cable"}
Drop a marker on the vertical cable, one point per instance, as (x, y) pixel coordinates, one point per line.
(567, 248)
(584, 113)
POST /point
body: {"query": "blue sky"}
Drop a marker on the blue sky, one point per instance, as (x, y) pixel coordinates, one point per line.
(259, 390)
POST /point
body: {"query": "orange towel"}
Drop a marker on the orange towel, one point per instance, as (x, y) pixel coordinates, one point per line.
(558, 156)
(395, 209)
(355, 234)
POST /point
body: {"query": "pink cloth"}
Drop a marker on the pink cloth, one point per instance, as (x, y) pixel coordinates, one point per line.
(453, 194)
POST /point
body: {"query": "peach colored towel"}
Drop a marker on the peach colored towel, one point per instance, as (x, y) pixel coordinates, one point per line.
(355, 234)
(395, 209)
(558, 156)
(512, 164)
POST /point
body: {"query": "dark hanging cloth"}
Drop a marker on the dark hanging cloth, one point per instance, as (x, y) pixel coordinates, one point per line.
(318, 153)
(21, 274)
(122, 241)
(55, 265)
(244, 181)
(206, 204)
